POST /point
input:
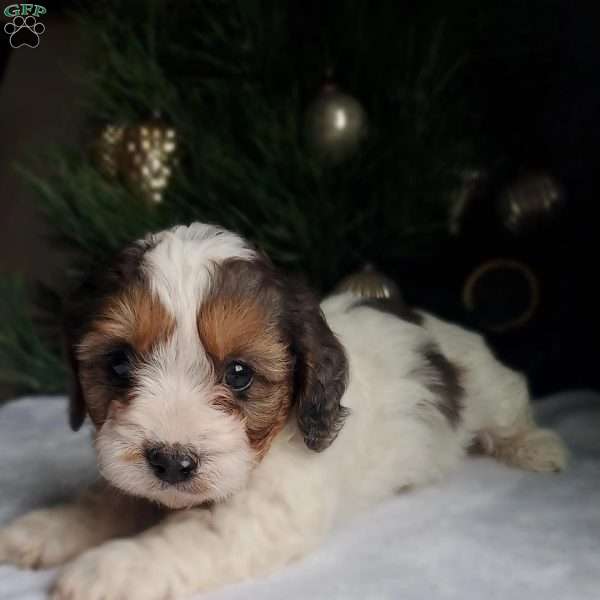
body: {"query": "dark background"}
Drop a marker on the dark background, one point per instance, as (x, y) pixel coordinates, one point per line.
(537, 74)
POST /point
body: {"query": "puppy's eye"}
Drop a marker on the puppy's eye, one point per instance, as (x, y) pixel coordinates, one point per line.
(119, 363)
(238, 376)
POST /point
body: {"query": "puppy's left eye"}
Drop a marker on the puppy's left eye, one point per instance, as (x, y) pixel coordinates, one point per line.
(238, 376)
(119, 365)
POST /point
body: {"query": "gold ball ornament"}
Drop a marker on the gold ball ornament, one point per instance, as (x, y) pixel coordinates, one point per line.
(149, 154)
(369, 283)
(530, 202)
(336, 124)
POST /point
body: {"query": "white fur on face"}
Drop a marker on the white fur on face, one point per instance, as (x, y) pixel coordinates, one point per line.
(174, 400)
(180, 265)
(174, 404)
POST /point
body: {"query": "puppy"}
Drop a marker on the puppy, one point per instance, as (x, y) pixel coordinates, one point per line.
(236, 420)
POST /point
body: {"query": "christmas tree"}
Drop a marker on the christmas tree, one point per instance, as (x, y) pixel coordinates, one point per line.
(331, 134)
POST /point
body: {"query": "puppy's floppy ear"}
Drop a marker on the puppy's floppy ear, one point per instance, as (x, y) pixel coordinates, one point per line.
(72, 331)
(85, 303)
(77, 406)
(75, 317)
(321, 369)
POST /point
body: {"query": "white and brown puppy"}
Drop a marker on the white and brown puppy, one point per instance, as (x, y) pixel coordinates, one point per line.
(221, 392)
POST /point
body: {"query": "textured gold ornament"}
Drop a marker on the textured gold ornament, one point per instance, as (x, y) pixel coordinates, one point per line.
(530, 201)
(336, 124)
(369, 283)
(142, 155)
(148, 158)
(107, 149)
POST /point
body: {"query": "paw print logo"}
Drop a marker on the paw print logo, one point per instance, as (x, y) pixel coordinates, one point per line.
(24, 31)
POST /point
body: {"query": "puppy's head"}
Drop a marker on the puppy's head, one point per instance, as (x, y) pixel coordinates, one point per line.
(190, 353)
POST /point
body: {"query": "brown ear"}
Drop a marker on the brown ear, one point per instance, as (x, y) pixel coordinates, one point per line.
(321, 370)
(77, 406)
(85, 302)
(73, 322)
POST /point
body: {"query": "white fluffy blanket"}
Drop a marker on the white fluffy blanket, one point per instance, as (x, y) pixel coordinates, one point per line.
(487, 532)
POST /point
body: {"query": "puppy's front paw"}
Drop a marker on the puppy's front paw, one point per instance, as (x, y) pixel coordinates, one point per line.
(119, 570)
(42, 538)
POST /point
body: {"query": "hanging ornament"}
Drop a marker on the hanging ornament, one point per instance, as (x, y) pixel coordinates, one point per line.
(469, 180)
(369, 283)
(501, 295)
(149, 155)
(336, 124)
(107, 149)
(530, 202)
(142, 155)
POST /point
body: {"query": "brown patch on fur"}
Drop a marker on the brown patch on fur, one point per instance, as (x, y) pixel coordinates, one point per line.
(241, 320)
(133, 318)
(267, 407)
(392, 306)
(442, 378)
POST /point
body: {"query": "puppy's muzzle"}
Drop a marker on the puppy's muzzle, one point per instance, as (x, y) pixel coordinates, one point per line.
(171, 465)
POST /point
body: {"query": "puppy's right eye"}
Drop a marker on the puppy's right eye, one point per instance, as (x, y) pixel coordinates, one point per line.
(238, 376)
(119, 365)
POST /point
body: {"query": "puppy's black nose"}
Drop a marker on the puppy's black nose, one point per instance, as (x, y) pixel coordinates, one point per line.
(170, 465)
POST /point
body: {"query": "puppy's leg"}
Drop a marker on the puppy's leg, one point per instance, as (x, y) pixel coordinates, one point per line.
(497, 406)
(48, 537)
(511, 434)
(195, 550)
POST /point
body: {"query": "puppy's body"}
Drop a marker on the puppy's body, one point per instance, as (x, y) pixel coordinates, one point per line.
(394, 400)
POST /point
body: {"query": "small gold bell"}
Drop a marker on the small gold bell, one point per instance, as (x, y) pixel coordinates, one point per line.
(369, 283)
